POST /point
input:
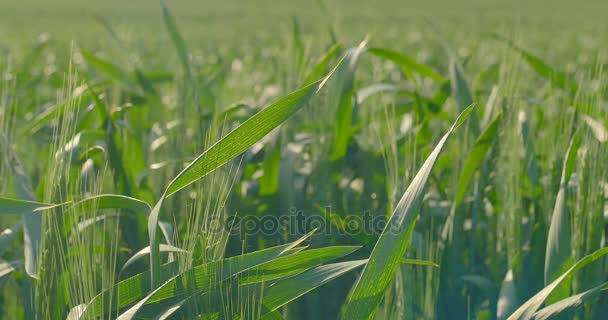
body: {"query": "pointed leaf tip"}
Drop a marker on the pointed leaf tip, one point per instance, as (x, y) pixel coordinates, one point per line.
(464, 115)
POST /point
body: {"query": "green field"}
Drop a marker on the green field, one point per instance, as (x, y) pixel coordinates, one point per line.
(303, 159)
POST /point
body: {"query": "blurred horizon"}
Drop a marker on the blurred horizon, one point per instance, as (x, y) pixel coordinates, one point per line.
(24, 20)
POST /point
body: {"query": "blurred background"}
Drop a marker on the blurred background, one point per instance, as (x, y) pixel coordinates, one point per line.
(242, 21)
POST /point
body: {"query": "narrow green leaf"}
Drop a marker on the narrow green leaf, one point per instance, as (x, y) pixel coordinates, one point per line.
(176, 38)
(361, 236)
(111, 31)
(376, 88)
(277, 294)
(287, 267)
(287, 290)
(76, 312)
(112, 71)
(16, 206)
(417, 262)
(32, 221)
(462, 93)
(297, 42)
(558, 255)
(230, 146)
(440, 97)
(41, 119)
(146, 251)
(83, 225)
(205, 277)
(138, 286)
(569, 303)
(101, 107)
(294, 264)
(244, 136)
(342, 97)
(475, 158)
(527, 310)
(367, 293)
(116, 201)
(81, 140)
(408, 64)
(269, 182)
(558, 78)
(322, 64)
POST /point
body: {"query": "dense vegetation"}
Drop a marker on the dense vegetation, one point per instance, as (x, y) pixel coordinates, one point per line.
(304, 173)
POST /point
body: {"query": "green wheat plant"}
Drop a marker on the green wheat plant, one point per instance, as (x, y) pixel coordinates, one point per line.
(317, 170)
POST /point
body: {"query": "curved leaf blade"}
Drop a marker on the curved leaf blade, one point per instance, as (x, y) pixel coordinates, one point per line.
(558, 254)
(527, 310)
(294, 264)
(367, 293)
(245, 135)
(212, 274)
(475, 158)
(138, 286)
(32, 222)
(230, 146)
(285, 291)
(406, 63)
(111, 71)
(569, 303)
(146, 251)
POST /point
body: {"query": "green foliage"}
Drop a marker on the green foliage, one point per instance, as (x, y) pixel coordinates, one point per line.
(367, 292)
(270, 147)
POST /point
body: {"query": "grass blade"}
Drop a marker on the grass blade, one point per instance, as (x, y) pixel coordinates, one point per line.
(294, 264)
(475, 158)
(286, 268)
(244, 136)
(230, 146)
(285, 291)
(407, 64)
(145, 251)
(212, 274)
(176, 38)
(116, 201)
(269, 182)
(373, 89)
(462, 93)
(368, 291)
(320, 67)
(417, 262)
(17, 206)
(556, 77)
(527, 310)
(32, 221)
(558, 255)
(137, 287)
(113, 72)
(342, 97)
(569, 303)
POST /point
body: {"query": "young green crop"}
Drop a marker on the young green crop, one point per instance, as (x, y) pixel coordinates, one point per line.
(207, 166)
